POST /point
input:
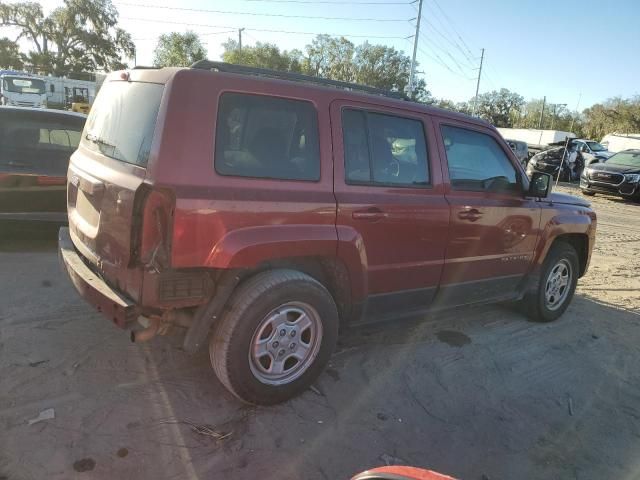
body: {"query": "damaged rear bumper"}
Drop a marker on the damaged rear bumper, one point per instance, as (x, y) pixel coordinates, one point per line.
(111, 303)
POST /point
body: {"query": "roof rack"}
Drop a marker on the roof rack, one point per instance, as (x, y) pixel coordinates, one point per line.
(296, 77)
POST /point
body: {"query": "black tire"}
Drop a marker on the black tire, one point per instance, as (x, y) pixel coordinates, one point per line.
(588, 193)
(534, 304)
(250, 304)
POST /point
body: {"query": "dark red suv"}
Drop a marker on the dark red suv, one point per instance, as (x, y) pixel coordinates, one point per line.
(260, 211)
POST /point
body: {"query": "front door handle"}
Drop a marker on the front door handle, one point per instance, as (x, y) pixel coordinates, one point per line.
(370, 214)
(471, 214)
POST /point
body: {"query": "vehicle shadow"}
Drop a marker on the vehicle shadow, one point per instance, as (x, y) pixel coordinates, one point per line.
(473, 392)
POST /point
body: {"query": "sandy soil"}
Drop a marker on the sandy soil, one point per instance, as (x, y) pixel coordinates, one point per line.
(478, 394)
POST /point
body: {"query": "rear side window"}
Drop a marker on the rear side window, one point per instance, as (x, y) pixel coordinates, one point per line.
(476, 161)
(122, 121)
(384, 149)
(267, 137)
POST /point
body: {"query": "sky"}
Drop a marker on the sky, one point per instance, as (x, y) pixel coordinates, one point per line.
(574, 52)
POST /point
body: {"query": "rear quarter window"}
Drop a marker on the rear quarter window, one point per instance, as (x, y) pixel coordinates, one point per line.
(267, 137)
(122, 121)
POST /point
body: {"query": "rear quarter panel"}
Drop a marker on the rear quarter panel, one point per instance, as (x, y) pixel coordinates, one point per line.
(227, 221)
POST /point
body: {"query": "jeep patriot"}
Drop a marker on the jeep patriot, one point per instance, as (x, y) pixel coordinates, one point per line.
(260, 211)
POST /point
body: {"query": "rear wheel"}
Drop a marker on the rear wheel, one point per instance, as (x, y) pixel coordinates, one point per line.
(556, 285)
(275, 338)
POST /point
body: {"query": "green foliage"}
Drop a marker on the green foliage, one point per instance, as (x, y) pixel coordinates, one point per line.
(498, 107)
(335, 58)
(262, 55)
(82, 35)
(616, 115)
(10, 57)
(178, 50)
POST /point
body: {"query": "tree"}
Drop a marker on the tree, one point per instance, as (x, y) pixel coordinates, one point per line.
(10, 56)
(335, 58)
(614, 115)
(80, 36)
(385, 67)
(330, 57)
(178, 50)
(499, 107)
(262, 55)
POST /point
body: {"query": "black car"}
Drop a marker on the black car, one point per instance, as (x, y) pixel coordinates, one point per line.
(619, 176)
(35, 146)
(550, 161)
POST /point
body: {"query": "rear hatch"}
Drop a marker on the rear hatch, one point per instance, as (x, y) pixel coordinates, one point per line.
(107, 173)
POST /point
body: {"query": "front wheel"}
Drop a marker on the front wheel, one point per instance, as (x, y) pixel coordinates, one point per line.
(588, 193)
(275, 338)
(556, 285)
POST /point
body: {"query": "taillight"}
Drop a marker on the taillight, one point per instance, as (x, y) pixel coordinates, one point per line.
(155, 235)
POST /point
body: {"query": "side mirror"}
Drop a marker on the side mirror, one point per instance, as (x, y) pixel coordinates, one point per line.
(540, 185)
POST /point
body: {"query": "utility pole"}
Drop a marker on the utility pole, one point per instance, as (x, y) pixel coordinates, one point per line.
(475, 102)
(544, 101)
(573, 118)
(412, 73)
(240, 30)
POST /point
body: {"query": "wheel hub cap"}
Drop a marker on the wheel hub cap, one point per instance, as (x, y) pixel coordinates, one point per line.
(558, 285)
(285, 343)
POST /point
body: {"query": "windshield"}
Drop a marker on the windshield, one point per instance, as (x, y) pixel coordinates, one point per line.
(596, 147)
(23, 85)
(630, 159)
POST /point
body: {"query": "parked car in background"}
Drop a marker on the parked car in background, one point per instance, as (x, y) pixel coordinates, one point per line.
(555, 162)
(591, 151)
(35, 146)
(619, 176)
(261, 210)
(520, 149)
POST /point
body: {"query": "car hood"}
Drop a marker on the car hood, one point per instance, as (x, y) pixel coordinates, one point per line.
(566, 199)
(605, 154)
(612, 168)
(551, 156)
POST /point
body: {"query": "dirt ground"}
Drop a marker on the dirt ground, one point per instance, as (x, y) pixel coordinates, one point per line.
(478, 394)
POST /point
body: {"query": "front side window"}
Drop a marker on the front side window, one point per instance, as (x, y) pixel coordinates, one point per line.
(267, 137)
(476, 162)
(382, 149)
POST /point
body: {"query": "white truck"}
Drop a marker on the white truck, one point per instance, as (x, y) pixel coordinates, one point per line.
(533, 136)
(616, 142)
(20, 89)
(23, 89)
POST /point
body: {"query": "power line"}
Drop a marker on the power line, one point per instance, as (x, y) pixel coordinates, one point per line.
(448, 19)
(442, 63)
(256, 14)
(328, 2)
(451, 41)
(202, 34)
(448, 54)
(170, 22)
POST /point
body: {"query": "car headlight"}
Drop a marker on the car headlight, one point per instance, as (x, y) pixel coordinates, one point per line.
(632, 177)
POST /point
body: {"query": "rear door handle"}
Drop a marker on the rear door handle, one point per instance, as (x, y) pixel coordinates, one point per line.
(471, 214)
(370, 214)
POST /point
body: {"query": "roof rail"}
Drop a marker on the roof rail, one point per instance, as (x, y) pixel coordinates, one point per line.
(296, 77)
